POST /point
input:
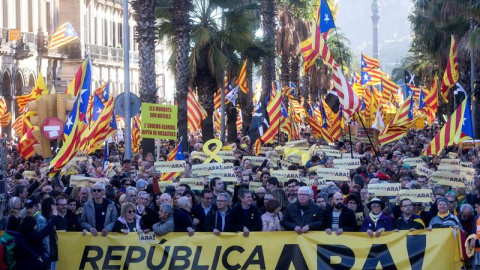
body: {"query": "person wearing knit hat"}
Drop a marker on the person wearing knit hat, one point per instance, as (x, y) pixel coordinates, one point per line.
(444, 219)
(376, 222)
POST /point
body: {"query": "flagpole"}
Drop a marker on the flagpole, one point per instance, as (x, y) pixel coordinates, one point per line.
(126, 84)
(368, 136)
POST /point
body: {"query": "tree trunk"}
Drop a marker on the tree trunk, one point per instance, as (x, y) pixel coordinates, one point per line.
(206, 86)
(231, 123)
(246, 100)
(285, 69)
(144, 15)
(268, 64)
(181, 23)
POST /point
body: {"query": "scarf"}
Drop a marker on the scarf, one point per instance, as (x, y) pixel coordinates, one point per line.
(374, 217)
(444, 215)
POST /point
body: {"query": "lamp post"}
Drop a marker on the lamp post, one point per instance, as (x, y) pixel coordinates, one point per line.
(375, 18)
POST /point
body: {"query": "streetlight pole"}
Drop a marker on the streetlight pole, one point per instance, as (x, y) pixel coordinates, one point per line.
(126, 83)
(375, 19)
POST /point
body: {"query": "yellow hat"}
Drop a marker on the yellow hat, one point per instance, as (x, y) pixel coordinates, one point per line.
(469, 250)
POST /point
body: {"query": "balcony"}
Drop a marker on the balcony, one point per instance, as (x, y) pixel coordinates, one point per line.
(109, 54)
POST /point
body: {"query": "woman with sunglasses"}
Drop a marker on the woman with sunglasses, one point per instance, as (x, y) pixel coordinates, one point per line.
(128, 221)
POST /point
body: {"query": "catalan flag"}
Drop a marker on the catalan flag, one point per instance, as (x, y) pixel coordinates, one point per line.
(176, 154)
(136, 130)
(242, 78)
(64, 34)
(5, 119)
(239, 123)
(39, 90)
(75, 86)
(217, 121)
(458, 128)
(17, 125)
(25, 146)
(372, 77)
(196, 113)
(405, 112)
(3, 106)
(71, 140)
(289, 91)
(450, 77)
(393, 133)
(368, 63)
(421, 99)
(274, 115)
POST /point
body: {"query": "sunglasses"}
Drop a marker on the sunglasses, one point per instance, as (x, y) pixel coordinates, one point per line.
(131, 211)
(97, 190)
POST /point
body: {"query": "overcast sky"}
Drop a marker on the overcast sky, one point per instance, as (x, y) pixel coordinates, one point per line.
(354, 20)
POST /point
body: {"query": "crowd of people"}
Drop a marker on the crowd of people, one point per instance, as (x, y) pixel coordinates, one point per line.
(130, 200)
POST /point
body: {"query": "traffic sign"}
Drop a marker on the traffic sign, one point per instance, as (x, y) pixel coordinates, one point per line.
(51, 128)
(120, 105)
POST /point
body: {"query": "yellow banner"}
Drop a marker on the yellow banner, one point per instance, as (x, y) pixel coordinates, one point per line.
(347, 163)
(170, 166)
(389, 189)
(263, 250)
(417, 195)
(448, 179)
(159, 121)
(329, 174)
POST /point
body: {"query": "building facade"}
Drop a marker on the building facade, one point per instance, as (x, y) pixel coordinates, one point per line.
(25, 30)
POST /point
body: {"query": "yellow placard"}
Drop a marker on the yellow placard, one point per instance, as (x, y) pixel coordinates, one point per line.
(446, 161)
(285, 164)
(227, 175)
(295, 158)
(226, 155)
(448, 179)
(170, 166)
(80, 156)
(455, 169)
(329, 174)
(253, 186)
(159, 121)
(273, 157)
(359, 217)
(30, 175)
(388, 189)
(452, 155)
(467, 164)
(194, 183)
(164, 184)
(417, 195)
(414, 162)
(297, 143)
(83, 181)
(329, 153)
(256, 161)
(206, 169)
(305, 156)
(147, 238)
(265, 149)
(422, 170)
(200, 155)
(261, 250)
(346, 163)
(284, 175)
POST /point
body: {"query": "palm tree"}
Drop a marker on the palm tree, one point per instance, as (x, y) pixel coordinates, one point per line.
(174, 25)
(144, 15)
(268, 66)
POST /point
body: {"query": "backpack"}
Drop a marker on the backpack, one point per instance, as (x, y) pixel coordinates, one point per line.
(7, 259)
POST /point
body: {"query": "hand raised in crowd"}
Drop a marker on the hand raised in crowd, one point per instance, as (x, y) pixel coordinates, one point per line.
(54, 210)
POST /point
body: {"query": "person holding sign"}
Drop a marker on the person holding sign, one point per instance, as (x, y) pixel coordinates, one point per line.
(303, 215)
(99, 214)
(218, 219)
(182, 219)
(339, 218)
(376, 222)
(245, 215)
(408, 220)
(444, 219)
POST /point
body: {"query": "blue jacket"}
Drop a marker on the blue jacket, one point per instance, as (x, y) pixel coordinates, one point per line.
(382, 222)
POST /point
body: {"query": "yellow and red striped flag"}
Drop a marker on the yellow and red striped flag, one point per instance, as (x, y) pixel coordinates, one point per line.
(274, 115)
(450, 77)
(176, 154)
(393, 132)
(368, 63)
(3, 106)
(17, 125)
(39, 90)
(242, 78)
(458, 128)
(405, 112)
(25, 146)
(136, 139)
(5, 119)
(217, 121)
(239, 120)
(196, 113)
(64, 34)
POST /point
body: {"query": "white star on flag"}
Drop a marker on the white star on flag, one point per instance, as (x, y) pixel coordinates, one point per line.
(327, 19)
(69, 122)
(81, 93)
(365, 78)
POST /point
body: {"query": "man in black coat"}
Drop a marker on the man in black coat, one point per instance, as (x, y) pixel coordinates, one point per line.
(245, 216)
(200, 211)
(339, 218)
(182, 217)
(303, 215)
(66, 220)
